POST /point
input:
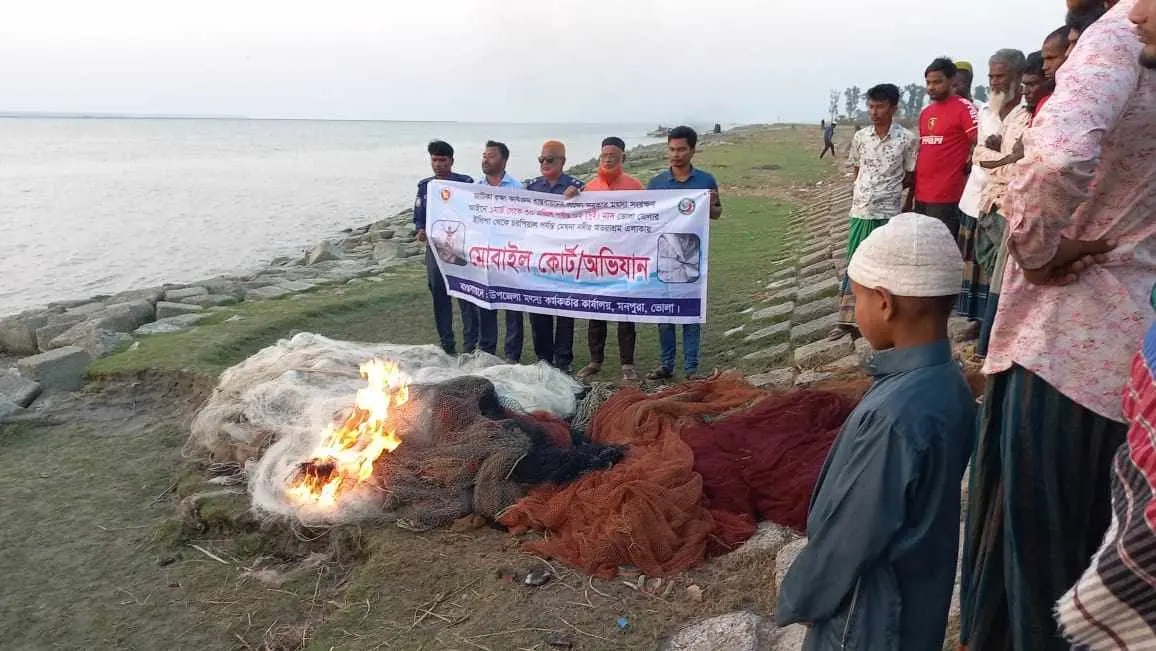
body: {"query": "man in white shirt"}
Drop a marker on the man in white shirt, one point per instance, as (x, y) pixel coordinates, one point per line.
(1005, 72)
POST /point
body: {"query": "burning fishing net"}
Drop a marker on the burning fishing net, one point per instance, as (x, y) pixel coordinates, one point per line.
(333, 431)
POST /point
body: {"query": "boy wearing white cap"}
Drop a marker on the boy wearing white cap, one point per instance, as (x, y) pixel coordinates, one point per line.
(883, 531)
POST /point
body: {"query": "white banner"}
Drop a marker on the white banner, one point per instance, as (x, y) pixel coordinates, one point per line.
(613, 256)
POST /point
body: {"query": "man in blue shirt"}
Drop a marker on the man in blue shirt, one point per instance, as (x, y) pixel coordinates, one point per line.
(680, 145)
(554, 344)
(494, 159)
(441, 157)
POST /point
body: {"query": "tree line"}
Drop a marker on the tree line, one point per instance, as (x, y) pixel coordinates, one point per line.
(851, 104)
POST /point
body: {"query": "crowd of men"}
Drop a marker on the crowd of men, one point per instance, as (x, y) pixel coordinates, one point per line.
(1048, 189)
(553, 337)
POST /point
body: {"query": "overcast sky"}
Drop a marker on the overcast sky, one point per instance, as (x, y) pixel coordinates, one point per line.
(647, 61)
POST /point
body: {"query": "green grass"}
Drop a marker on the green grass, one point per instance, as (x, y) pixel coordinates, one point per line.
(382, 311)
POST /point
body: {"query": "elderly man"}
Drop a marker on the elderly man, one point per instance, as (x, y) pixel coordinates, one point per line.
(1005, 70)
(947, 133)
(1114, 604)
(554, 344)
(1063, 334)
(494, 159)
(611, 176)
(883, 156)
(990, 250)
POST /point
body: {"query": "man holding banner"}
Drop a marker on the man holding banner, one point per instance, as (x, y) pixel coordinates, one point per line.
(682, 175)
(611, 177)
(441, 156)
(631, 256)
(494, 159)
(554, 345)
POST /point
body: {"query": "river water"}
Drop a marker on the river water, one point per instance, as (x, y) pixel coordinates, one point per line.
(92, 206)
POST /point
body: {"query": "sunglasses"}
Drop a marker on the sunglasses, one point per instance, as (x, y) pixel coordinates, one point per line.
(547, 160)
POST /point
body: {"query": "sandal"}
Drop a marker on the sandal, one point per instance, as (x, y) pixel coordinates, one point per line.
(629, 374)
(589, 371)
(660, 373)
(840, 331)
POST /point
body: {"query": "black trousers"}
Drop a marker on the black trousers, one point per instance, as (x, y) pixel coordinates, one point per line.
(553, 339)
(443, 308)
(488, 333)
(596, 340)
(948, 213)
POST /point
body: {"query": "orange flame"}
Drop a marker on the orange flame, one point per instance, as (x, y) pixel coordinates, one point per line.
(347, 453)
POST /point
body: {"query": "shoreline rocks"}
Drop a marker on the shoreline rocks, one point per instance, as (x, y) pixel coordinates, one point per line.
(55, 343)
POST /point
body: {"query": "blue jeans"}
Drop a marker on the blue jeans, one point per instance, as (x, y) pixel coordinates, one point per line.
(668, 340)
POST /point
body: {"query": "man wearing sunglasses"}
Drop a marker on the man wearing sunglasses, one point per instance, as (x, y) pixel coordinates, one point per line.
(554, 339)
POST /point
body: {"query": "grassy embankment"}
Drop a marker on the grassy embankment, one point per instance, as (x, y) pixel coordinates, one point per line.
(94, 559)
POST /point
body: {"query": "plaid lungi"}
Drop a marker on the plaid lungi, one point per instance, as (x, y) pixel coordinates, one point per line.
(1114, 604)
(972, 300)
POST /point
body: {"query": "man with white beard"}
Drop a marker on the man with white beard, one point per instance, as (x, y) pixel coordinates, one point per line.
(1005, 72)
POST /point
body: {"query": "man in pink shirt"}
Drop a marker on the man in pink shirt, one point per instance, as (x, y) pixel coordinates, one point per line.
(1063, 336)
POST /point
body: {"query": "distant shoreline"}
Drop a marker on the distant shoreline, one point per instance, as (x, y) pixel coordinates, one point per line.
(37, 115)
(648, 158)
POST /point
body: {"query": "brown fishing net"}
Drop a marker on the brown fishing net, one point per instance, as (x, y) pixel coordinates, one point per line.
(765, 461)
(649, 510)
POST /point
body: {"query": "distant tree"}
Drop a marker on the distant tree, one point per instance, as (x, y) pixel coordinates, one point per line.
(980, 93)
(853, 96)
(915, 94)
(833, 108)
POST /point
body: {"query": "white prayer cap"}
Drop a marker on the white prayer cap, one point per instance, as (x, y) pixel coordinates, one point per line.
(911, 255)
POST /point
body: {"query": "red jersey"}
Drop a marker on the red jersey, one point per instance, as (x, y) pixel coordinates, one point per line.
(947, 133)
(1039, 106)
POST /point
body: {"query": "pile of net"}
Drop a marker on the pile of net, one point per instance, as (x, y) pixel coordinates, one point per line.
(475, 432)
(704, 462)
(764, 461)
(649, 510)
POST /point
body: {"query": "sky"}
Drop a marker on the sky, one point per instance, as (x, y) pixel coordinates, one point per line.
(599, 61)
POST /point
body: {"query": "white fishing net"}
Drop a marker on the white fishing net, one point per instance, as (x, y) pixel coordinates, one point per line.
(268, 412)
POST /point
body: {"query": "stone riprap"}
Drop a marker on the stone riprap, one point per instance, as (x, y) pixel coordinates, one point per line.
(800, 306)
(57, 342)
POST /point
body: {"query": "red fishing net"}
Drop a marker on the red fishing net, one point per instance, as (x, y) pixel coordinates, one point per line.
(649, 510)
(764, 461)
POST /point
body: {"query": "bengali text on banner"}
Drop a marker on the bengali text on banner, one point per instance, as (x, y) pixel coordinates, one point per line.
(614, 256)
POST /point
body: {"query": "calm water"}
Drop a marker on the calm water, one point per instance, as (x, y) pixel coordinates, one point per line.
(91, 206)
